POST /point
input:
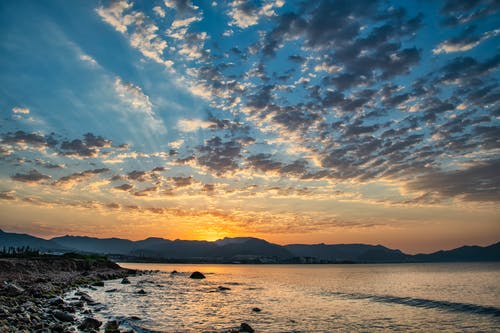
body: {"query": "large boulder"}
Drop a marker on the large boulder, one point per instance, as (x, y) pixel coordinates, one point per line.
(63, 316)
(90, 324)
(197, 275)
(111, 327)
(244, 327)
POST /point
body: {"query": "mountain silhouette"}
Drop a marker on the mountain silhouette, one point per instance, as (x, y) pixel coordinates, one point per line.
(242, 249)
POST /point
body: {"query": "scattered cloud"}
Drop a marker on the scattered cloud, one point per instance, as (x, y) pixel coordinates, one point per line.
(20, 110)
(191, 125)
(32, 176)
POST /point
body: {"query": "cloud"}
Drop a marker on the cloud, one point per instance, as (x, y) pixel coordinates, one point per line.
(191, 125)
(7, 195)
(20, 110)
(219, 156)
(244, 13)
(79, 177)
(124, 187)
(464, 42)
(480, 182)
(159, 11)
(182, 181)
(34, 139)
(133, 96)
(141, 32)
(464, 11)
(88, 59)
(182, 6)
(31, 177)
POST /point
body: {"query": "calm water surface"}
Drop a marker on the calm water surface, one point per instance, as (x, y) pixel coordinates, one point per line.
(453, 297)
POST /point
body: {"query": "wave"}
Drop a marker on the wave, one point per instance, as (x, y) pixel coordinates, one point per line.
(426, 303)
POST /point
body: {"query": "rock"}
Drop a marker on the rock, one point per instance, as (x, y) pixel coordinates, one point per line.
(125, 281)
(56, 301)
(222, 288)
(111, 290)
(63, 316)
(134, 318)
(197, 275)
(173, 272)
(111, 327)
(86, 298)
(141, 292)
(256, 309)
(244, 327)
(98, 284)
(10, 289)
(90, 324)
(77, 304)
(57, 328)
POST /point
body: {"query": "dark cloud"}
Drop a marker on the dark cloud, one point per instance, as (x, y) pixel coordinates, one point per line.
(463, 11)
(34, 139)
(48, 165)
(124, 187)
(91, 140)
(31, 177)
(467, 69)
(208, 188)
(137, 175)
(182, 181)
(219, 156)
(480, 182)
(79, 176)
(145, 192)
(264, 162)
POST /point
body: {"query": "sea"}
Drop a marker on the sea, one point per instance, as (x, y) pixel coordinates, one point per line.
(423, 297)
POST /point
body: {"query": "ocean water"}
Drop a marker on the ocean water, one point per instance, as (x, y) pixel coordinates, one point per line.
(449, 297)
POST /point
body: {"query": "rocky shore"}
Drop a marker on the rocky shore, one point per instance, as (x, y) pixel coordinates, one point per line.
(31, 290)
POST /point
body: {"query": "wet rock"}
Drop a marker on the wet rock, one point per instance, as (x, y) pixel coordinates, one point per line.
(125, 281)
(58, 328)
(86, 298)
(77, 304)
(197, 275)
(11, 289)
(98, 284)
(244, 327)
(56, 301)
(256, 309)
(111, 327)
(90, 324)
(63, 316)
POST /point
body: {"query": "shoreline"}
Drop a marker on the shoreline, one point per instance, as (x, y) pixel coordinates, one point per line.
(32, 291)
(48, 294)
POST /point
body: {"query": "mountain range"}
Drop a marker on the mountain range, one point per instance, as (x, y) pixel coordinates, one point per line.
(240, 249)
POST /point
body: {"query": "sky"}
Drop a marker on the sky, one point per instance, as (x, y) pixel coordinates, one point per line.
(294, 121)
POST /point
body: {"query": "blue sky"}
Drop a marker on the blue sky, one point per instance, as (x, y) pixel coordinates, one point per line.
(331, 121)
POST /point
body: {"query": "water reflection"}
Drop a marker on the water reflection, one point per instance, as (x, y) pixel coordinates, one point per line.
(323, 298)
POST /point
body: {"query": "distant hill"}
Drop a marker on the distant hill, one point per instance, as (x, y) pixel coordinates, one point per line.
(95, 245)
(8, 239)
(348, 252)
(242, 249)
(464, 253)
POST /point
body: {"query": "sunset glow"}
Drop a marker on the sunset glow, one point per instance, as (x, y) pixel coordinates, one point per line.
(296, 122)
